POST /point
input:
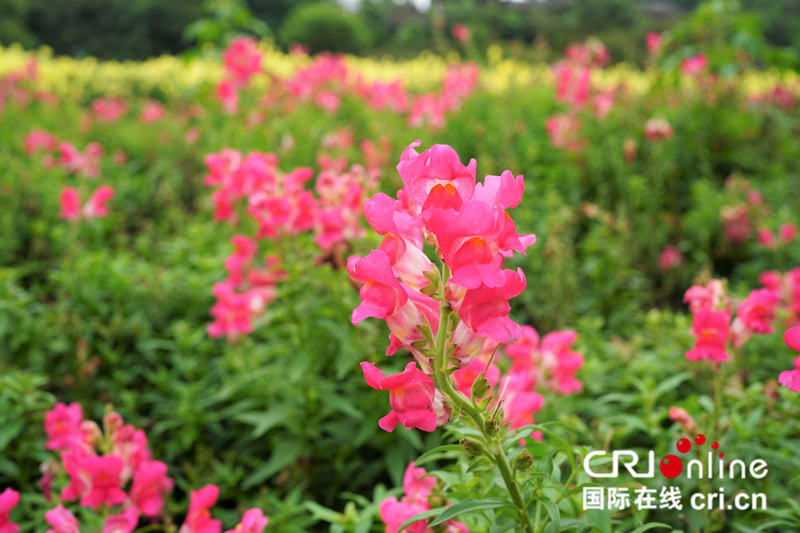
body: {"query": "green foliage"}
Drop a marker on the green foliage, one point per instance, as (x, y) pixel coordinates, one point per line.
(224, 20)
(326, 28)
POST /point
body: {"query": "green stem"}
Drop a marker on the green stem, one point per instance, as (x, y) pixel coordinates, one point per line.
(440, 365)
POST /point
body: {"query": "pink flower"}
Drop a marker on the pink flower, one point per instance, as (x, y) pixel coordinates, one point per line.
(602, 103)
(439, 165)
(198, 519)
(411, 395)
(61, 520)
(711, 329)
(253, 521)
(104, 476)
(39, 140)
(96, 205)
(758, 310)
(653, 41)
(521, 401)
(192, 135)
(384, 297)
(791, 378)
(561, 361)
(152, 112)
(231, 313)
(792, 338)
(658, 128)
(242, 59)
(109, 109)
(736, 220)
(524, 351)
(712, 296)
(670, 258)
(787, 232)
(684, 419)
(63, 426)
(395, 513)
(328, 101)
(417, 485)
(694, 65)
(766, 238)
(485, 309)
(771, 280)
(563, 131)
(466, 376)
(150, 484)
(228, 95)
(9, 499)
(125, 522)
(462, 33)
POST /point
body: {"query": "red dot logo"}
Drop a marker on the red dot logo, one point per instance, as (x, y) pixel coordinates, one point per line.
(715, 446)
(671, 466)
(684, 445)
(700, 439)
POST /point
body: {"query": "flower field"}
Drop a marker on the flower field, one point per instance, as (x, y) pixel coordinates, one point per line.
(255, 290)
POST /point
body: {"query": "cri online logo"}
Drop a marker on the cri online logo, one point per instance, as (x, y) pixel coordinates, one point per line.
(671, 466)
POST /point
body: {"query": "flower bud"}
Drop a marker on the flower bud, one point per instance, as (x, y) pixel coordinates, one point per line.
(471, 447)
(420, 344)
(480, 387)
(112, 422)
(432, 276)
(430, 289)
(92, 432)
(424, 330)
(523, 461)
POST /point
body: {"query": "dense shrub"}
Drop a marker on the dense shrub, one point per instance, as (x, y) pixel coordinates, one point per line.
(326, 28)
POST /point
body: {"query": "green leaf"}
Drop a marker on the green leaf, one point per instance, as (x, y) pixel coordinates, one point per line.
(428, 456)
(284, 454)
(600, 519)
(323, 513)
(263, 421)
(9, 431)
(652, 525)
(552, 511)
(560, 443)
(470, 505)
(421, 516)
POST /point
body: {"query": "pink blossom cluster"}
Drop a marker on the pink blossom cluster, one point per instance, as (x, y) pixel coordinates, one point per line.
(326, 80)
(101, 463)
(85, 164)
(472, 233)
(18, 86)
(95, 206)
(787, 232)
(573, 85)
(109, 109)
(550, 363)
(756, 314)
(418, 489)
(782, 96)
(281, 206)
(694, 66)
(656, 129)
(244, 295)
(242, 61)
(152, 111)
(740, 218)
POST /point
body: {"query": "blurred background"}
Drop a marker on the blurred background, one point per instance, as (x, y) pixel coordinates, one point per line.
(138, 29)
